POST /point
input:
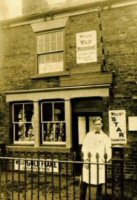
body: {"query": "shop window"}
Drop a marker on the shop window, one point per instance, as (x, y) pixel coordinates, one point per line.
(50, 52)
(22, 120)
(53, 123)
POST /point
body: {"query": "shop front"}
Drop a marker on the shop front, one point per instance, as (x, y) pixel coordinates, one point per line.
(54, 118)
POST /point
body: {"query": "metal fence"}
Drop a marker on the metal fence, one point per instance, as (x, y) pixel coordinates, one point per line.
(49, 177)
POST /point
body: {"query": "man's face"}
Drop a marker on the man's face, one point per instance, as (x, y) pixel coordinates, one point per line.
(98, 125)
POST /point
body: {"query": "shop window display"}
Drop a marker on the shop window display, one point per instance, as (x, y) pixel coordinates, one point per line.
(23, 123)
(53, 122)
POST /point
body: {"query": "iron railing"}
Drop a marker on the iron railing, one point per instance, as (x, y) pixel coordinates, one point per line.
(45, 176)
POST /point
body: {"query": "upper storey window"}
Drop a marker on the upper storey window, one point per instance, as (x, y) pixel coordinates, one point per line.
(50, 51)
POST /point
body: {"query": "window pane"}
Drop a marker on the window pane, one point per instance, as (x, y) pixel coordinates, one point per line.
(47, 43)
(60, 57)
(47, 112)
(59, 114)
(17, 112)
(53, 42)
(23, 132)
(28, 112)
(54, 132)
(51, 62)
(40, 44)
(41, 60)
(59, 41)
(54, 57)
(19, 131)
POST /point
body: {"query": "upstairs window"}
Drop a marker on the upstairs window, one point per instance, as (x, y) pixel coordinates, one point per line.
(22, 121)
(50, 52)
(53, 123)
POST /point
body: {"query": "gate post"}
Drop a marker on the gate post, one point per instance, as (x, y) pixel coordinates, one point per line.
(118, 153)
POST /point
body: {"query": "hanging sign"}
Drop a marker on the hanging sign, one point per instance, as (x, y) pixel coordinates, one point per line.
(117, 126)
(86, 47)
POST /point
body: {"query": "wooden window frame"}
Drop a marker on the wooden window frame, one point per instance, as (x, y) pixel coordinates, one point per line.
(53, 123)
(25, 133)
(48, 54)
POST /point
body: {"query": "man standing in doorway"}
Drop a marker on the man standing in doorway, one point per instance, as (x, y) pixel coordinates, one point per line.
(95, 143)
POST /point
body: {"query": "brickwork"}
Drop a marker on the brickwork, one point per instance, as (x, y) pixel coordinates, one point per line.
(121, 52)
(31, 6)
(120, 46)
(75, 25)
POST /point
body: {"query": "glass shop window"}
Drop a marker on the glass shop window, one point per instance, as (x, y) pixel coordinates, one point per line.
(22, 120)
(53, 123)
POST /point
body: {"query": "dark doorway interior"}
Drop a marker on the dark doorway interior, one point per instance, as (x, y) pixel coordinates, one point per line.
(83, 110)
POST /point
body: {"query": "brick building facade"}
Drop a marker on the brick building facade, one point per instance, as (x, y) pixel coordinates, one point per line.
(44, 71)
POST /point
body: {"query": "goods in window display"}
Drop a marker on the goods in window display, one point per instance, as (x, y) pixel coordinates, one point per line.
(24, 124)
(54, 132)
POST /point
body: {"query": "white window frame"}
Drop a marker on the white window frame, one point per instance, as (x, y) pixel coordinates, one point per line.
(47, 53)
(53, 121)
(14, 123)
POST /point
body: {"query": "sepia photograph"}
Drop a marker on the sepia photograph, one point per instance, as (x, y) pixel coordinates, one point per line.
(68, 99)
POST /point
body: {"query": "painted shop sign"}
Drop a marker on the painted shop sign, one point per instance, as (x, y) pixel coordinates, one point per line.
(86, 47)
(117, 126)
(37, 165)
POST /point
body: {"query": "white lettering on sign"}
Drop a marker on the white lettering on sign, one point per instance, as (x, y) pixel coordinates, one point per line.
(86, 47)
(117, 126)
(37, 165)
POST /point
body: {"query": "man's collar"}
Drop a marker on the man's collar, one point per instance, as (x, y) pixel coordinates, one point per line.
(97, 132)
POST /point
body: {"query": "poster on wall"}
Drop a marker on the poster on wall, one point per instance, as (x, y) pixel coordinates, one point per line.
(132, 123)
(37, 165)
(117, 126)
(86, 47)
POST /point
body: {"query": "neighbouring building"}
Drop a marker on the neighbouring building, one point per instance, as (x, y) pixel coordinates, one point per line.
(61, 65)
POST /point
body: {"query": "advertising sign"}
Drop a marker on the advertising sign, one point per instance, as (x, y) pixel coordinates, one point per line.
(132, 123)
(86, 47)
(37, 165)
(117, 126)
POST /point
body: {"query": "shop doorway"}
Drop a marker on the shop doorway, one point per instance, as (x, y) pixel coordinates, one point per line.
(83, 111)
(82, 124)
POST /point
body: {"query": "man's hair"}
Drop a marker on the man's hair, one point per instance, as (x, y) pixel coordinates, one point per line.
(97, 119)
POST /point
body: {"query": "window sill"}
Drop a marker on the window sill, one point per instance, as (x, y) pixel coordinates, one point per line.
(53, 74)
(24, 143)
(24, 148)
(54, 143)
